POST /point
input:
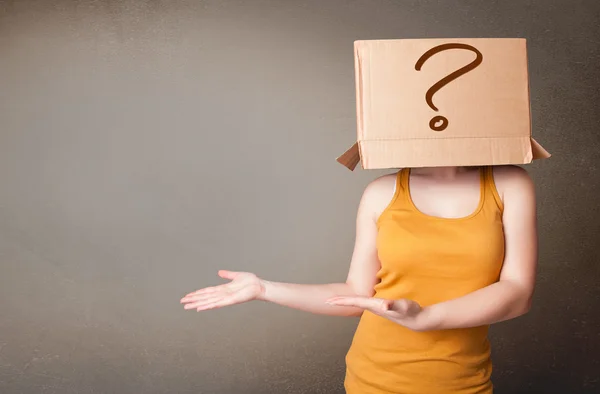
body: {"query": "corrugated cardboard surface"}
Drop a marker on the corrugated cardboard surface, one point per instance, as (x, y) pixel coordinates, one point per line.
(487, 108)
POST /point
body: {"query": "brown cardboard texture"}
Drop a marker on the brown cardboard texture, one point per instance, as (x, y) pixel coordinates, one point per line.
(442, 102)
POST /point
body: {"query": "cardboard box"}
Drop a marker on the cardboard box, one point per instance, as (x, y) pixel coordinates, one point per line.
(442, 102)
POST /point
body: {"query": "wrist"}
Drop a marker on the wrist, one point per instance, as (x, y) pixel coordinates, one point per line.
(430, 318)
(264, 286)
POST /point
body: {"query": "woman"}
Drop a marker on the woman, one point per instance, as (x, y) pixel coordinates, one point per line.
(440, 254)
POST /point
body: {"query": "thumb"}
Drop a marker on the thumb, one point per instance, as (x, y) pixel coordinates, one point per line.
(406, 307)
(228, 274)
(400, 306)
(386, 305)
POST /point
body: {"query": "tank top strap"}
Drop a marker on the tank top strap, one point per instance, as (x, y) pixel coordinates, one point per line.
(402, 199)
(399, 199)
(491, 195)
(402, 181)
(400, 188)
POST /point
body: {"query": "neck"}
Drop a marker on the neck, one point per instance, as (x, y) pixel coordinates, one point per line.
(439, 172)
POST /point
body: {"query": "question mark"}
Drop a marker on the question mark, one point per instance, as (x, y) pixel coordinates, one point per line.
(446, 80)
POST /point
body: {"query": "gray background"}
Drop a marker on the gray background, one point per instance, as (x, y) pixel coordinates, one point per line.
(146, 144)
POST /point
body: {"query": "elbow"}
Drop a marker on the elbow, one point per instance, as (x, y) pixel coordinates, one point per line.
(523, 308)
(354, 290)
(347, 311)
(522, 300)
(526, 307)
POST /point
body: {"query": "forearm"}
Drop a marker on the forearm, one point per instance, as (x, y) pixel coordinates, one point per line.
(498, 302)
(309, 298)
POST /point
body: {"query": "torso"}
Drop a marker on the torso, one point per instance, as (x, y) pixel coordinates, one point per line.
(437, 240)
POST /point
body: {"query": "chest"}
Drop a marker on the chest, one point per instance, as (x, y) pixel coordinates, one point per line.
(446, 199)
(408, 243)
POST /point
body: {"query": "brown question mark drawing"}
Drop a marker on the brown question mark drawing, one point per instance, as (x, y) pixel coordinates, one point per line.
(433, 123)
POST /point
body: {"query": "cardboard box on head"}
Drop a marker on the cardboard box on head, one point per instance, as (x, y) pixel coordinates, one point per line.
(442, 102)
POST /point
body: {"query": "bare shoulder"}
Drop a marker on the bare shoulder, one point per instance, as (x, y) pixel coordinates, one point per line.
(513, 180)
(379, 193)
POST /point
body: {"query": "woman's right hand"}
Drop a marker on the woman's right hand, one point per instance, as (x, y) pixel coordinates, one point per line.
(243, 287)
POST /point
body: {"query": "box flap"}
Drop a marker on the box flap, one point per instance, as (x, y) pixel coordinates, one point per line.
(350, 158)
(440, 151)
(538, 151)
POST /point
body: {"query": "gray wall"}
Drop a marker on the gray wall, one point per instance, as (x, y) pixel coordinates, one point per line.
(146, 144)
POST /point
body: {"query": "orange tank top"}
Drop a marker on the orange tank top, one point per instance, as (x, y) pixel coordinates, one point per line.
(429, 259)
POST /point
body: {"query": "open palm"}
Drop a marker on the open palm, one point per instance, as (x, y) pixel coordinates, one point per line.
(243, 287)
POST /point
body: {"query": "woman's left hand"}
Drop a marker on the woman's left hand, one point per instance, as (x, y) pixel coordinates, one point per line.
(405, 312)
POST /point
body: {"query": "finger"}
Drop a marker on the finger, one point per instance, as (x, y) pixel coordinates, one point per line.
(398, 306)
(228, 274)
(205, 290)
(216, 304)
(223, 274)
(407, 307)
(203, 294)
(202, 297)
(211, 290)
(197, 304)
(386, 305)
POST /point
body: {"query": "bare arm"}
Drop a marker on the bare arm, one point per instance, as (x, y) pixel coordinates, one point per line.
(506, 299)
(364, 265)
(309, 298)
(511, 296)
(361, 279)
